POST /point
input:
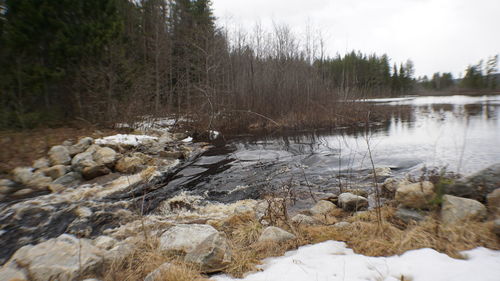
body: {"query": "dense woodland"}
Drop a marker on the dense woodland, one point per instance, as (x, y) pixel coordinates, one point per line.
(108, 61)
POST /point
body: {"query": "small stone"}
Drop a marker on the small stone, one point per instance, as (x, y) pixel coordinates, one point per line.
(322, 207)
(39, 181)
(275, 234)
(81, 146)
(68, 179)
(352, 202)
(342, 224)
(303, 219)
(22, 174)
(416, 195)
(157, 273)
(129, 165)
(59, 155)
(41, 163)
(22, 192)
(408, 215)
(89, 173)
(457, 209)
(56, 171)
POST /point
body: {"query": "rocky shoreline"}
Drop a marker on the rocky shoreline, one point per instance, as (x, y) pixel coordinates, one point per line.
(87, 204)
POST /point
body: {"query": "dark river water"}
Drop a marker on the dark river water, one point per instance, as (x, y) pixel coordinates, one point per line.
(461, 133)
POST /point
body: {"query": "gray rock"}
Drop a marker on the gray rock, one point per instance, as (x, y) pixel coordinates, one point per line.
(416, 195)
(185, 237)
(351, 202)
(56, 171)
(22, 174)
(82, 145)
(494, 203)
(322, 207)
(39, 181)
(41, 163)
(6, 189)
(105, 156)
(342, 224)
(11, 272)
(212, 255)
(457, 209)
(82, 160)
(477, 186)
(129, 165)
(496, 227)
(69, 178)
(408, 215)
(7, 182)
(157, 273)
(303, 219)
(62, 258)
(275, 234)
(93, 172)
(22, 192)
(59, 155)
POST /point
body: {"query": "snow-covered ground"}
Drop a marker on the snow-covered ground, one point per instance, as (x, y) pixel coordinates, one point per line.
(133, 140)
(332, 261)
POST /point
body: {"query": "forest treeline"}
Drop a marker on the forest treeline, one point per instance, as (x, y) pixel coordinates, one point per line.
(481, 76)
(108, 61)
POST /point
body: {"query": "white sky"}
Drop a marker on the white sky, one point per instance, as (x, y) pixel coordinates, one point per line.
(438, 35)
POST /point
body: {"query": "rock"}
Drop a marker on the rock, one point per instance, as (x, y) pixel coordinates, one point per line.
(322, 207)
(457, 209)
(55, 188)
(357, 191)
(172, 154)
(129, 165)
(59, 155)
(105, 242)
(41, 163)
(93, 172)
(166, 138)
(351, 202)
(69, 178)
(408, 215)
(82, 145)
(493, 200)
(62, 258)
(179, 136)
(22, 174)
(5, 189)
(185, 237)
(82, 160)
(212, 255)
(477, 186)
(56, 171)
(6, 182)
(275, 234)
(22, 192)
(416, 195)
(303, 219)
(381, 173)
(93, 148)
(390, 186)
(39, 181)
(11, 272)
(157, 273)
(105, 156)
(496, 227)
(342, 224)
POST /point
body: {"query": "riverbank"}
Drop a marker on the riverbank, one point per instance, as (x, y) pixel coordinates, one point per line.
(123, 225)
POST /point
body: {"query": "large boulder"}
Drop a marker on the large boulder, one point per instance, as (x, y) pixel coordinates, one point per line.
(129, 165)
(351, 202)
(212, 255)
(82, 160)
(105, 156)
(416, 195)
(477, 186)
(494, 203)
(81, 146)
(275, 234)
(59, 155)
(457, 209)
(185, 237)
(63, 258)
(322, 207)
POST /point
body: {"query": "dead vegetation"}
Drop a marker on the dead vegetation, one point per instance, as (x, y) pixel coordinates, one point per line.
(365, 235)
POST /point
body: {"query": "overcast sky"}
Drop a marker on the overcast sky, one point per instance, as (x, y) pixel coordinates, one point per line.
(438, 35)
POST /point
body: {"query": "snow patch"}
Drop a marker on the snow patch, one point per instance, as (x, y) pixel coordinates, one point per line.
(188, 139)
(133, 140)
(332, 260)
